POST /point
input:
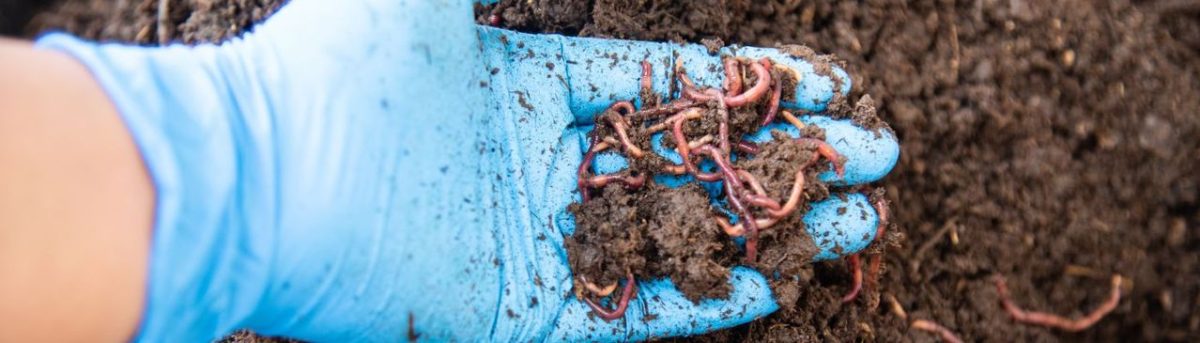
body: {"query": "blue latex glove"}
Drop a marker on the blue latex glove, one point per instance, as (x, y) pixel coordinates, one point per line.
(375, 170)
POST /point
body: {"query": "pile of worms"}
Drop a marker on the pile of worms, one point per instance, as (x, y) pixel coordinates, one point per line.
(750, 88)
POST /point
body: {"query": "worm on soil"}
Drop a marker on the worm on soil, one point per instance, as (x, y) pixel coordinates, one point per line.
(856, 266)
(1056, 321)
(946, 334)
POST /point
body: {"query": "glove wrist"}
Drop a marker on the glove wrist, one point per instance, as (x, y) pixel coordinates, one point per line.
(207, 266)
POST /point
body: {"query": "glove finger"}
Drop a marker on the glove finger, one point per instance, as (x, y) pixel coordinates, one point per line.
(840, 225)
(819, 77)
(660, 310)
(602, 71)
(870, 154)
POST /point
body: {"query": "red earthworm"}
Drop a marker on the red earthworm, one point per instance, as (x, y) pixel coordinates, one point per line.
(748, 178)
(621, 105)
(723, 121)
(733, 189)
(630, 182)
(600, 292)
(738, 231)
(746, 147)
(622, 303)
(583, 167)
(829, 153)
(671, 107)
(684, 152)
(881, 208)
(793, 200)
(689, 88)
(761, 201)
(1056, 321)
(646, 73)
(755, 92)
(946, 334)
(620, 125)
(776, 94)
(826, 151)
(722, 161)
(792, 119)
(733, 77)
(856, 266)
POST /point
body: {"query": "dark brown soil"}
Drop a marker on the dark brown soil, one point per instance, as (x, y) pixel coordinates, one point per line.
(139, 21)
(626, 231)
(1053, 142)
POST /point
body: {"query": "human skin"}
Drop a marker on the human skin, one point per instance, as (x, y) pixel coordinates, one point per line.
(76, 205)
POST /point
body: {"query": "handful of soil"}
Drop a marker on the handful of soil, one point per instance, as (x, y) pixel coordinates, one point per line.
(629, 227)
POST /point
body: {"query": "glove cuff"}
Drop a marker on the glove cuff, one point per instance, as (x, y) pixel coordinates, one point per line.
(207, 269)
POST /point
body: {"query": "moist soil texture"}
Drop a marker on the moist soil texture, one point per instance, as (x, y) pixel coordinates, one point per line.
(1052, 142)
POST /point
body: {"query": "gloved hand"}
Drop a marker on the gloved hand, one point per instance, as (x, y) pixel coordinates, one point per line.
(376, 170)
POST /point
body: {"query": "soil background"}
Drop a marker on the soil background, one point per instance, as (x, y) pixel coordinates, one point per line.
(1052, 142)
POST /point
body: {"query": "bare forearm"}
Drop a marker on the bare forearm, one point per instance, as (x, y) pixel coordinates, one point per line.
(76, 205)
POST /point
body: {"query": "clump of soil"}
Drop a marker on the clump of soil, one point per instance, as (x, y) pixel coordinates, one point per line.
(1052, 142)
(637, 227)
(654, 231)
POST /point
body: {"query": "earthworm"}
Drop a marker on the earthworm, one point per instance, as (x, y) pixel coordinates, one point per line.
(684, 152)
(793, 200)
(620, 125)
(1055, 321)
(857, 286)
(746, 147)
(946, 334)
(630, 181)
(798, 185)
(700, 141)
(829, 153)
(679, 169)
(600, 292)
(622, 303)
(621, 105)
(646, 72)
(776, 94)
(738, 231)
(726, 171)
(689, 88)
(755, 92)
(881, 208)
(792, 119)
(732, 190)
(733, 78)
(688, 113)
(748, 178)
(723, 124)
(671, 107)
(583, 167)
(761, 201)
